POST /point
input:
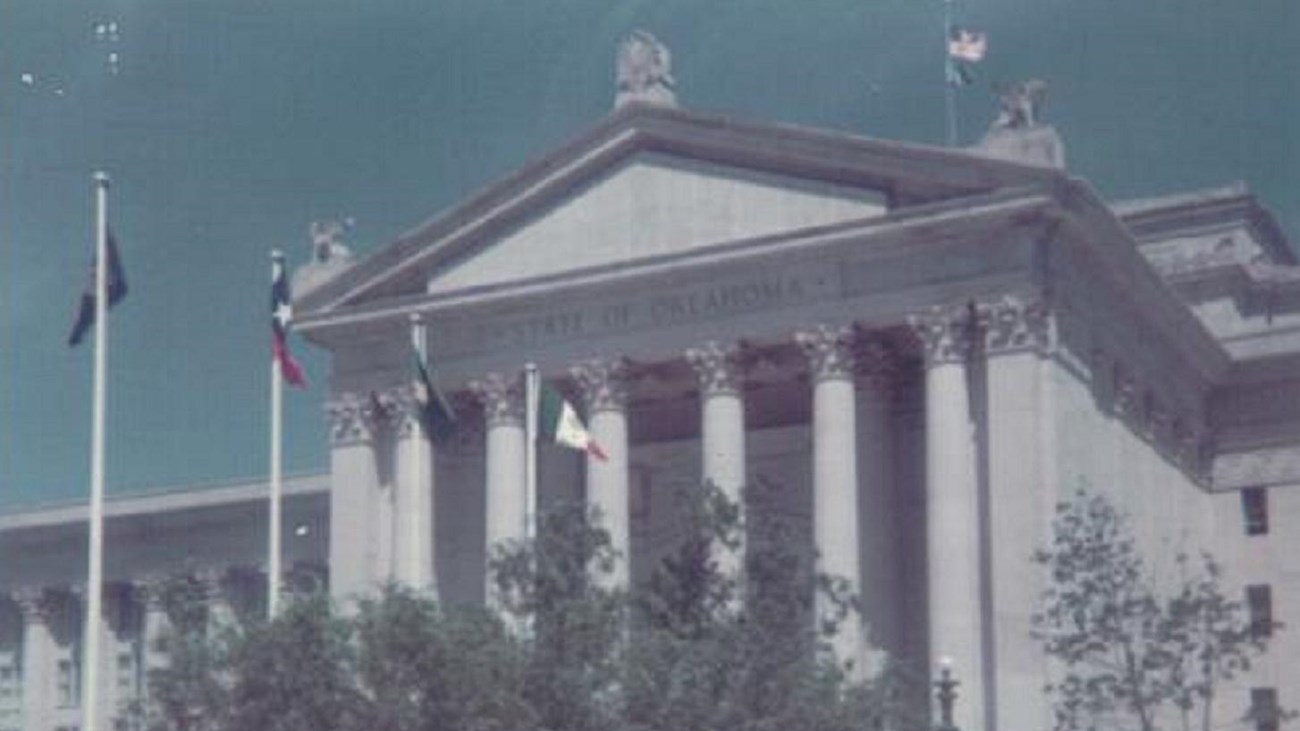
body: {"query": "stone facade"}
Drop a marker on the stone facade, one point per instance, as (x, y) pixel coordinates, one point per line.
(922, 350)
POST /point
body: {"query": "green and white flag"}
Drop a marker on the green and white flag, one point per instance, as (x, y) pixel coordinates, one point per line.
(558, 422)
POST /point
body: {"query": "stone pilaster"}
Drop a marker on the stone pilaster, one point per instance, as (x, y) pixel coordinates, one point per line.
(604, 386)
(830, 350)
(953, 510)
(720, 373)
(506, 509)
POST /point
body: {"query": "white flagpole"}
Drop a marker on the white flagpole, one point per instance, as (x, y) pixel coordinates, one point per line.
(95, 572)
(410, 511)
(277, 428)
(531, 396)
(949, 88)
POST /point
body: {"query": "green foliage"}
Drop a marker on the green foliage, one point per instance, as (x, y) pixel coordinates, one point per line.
(695, 650)
(1134, 656)
(422, 668)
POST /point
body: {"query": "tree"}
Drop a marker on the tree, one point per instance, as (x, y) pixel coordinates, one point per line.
(421, 667)
(575, 621)
(714, 652)
(1134, 656)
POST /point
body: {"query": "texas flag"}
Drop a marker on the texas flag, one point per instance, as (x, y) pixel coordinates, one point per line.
(281, 313)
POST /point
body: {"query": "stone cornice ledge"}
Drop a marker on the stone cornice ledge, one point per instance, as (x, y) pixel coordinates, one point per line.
(1261, 467)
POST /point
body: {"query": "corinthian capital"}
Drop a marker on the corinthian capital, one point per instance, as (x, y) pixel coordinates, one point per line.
(946, 333)
(1016, 323)
(352, 418)
(502, 398)
(829, 350)
(717, 366)
(32, 602)
(603, 383)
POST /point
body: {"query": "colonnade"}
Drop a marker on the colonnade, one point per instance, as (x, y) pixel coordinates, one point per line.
(133, 626)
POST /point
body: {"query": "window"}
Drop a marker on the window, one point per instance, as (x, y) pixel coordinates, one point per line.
(1263, 709)
(1259, 603)
(1254, 508)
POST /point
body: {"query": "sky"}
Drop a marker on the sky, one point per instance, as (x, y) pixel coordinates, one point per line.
(228, 126)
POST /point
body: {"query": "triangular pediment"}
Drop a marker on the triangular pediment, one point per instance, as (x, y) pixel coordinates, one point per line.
(653, 205)
(649, 183)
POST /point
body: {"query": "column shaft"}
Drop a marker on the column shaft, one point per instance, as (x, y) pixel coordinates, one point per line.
(357, 561)
(835, 478)
(604, 387)
(505, 455)
(413, 507)
(722, 432)
(953, 510)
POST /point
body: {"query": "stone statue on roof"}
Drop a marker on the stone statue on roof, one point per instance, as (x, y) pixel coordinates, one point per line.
(329, 256)
(1021, 103)
(644, 72)
(1018, 133)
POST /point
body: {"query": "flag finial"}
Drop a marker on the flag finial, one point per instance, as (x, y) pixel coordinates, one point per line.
(101, 178)
(277, 255)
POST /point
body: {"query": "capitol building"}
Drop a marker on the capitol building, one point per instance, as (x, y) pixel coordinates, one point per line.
(924, 348)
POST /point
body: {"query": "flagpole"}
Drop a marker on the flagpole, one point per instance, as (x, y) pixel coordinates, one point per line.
(410, 512)
(949, 88)
(95, 571)
(277, 428)
(531, 393)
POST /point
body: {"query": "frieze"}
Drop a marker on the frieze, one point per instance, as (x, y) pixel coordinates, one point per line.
(664, 307)
(1265, 466)
(1179, 434)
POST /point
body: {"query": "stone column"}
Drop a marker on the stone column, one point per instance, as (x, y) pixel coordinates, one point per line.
(722, 431)
(835, 475)
(413, 483)
(38, 661)
(880, 547)
(953, 516)
(604, 390)
(503, 417)
(1019, 337)
(360, 509)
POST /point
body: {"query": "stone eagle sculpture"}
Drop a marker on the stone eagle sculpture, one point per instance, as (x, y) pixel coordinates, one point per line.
(1018, 133)
(644, 72)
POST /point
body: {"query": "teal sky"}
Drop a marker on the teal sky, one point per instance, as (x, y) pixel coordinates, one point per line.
(231, 124)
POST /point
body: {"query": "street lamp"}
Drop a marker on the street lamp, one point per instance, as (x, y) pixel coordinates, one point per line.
(946, 692)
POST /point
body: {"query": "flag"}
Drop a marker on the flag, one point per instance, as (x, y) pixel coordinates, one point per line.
(116, 291)
(281, 313)
(966, 45)
(436, 414)
(558, 422)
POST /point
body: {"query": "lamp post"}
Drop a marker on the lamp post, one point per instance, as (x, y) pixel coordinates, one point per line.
(946, 692)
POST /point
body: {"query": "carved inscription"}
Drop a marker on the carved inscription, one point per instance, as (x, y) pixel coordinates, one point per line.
(650, 310)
